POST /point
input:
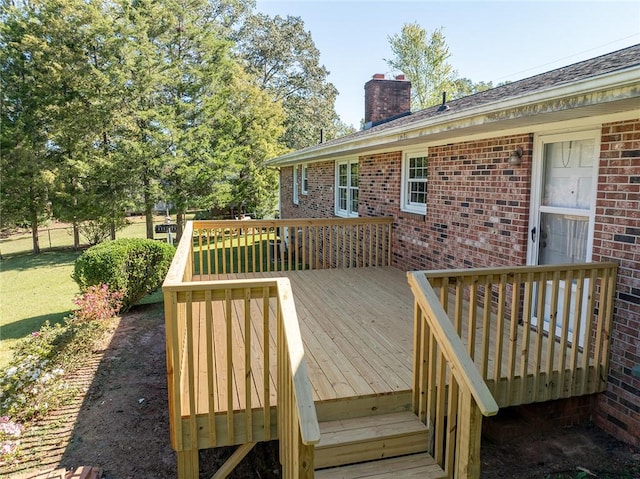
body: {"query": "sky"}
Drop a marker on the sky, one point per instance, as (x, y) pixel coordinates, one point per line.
(488, 40)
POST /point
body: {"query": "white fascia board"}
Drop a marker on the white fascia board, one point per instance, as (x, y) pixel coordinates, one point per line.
(609, 82)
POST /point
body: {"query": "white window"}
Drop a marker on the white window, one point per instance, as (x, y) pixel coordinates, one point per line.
(296, 197)
(305, 180)
(347, 188)
(414, 183)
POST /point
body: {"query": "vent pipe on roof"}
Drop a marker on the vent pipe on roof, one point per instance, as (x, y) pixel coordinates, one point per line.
(444, 106)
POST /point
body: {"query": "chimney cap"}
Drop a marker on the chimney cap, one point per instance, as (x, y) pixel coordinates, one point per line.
(378, 76)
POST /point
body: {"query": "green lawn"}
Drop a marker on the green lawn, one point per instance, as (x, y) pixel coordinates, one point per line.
(57, 236)
(34, 289)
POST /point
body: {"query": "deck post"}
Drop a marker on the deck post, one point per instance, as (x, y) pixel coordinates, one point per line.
(188, 465)
(305, 460)
(469, 437)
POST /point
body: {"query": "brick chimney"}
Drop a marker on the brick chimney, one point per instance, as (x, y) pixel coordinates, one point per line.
(385, 98)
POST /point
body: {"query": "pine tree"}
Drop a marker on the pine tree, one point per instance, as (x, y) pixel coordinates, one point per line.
(26, 162)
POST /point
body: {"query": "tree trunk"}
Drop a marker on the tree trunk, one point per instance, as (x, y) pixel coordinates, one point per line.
(179, 224)
(76, 235)
(148, 215)
(148, 209)
(112, 230)
(34, 233)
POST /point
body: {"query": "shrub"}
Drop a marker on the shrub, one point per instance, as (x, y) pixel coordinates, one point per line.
(134, 266)
(98, 230)
(97, 303)
(203, 215)
(33, 382)
(10, 431)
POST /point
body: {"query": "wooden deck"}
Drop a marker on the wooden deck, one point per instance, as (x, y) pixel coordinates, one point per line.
(277, 328)
(357, 329)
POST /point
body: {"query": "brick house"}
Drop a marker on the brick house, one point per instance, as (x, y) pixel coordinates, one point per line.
(545, 170)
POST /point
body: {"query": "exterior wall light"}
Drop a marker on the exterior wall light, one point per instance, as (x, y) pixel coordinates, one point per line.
(515, 158)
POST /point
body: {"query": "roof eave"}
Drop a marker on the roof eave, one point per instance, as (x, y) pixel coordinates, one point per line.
(607, 86)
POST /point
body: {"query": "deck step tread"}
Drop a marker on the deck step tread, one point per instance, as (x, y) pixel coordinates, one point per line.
(356, 429)
(370, 438)
(413, 466)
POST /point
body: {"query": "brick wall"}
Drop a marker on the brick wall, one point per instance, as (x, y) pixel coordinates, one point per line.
(617, 238)
(477, 210)
(318, 202)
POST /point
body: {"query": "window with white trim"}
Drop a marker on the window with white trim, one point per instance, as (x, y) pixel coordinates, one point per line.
(414, 184)
(296, 196)
(305, 180)
(347, 188)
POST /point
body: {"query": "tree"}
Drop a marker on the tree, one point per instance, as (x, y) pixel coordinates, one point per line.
(107, 103)
(423, 58)
(196, 121)
(465, 87)
(280, 54)
(57, 106)
(26, 162)
(77, 107)
(144, 133)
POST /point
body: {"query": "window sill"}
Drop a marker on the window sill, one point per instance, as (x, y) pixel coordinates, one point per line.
(416, 211)
(342, 214)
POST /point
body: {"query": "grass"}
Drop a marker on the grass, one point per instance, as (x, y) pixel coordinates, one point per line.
(39, 288)
(243, 253)
(58, 236)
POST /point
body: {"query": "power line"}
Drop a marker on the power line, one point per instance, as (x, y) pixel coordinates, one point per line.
(567, 57)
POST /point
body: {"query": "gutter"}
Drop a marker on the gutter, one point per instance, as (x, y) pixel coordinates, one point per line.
(602, 83)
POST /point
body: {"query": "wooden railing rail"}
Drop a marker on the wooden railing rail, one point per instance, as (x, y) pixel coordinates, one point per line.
(542, 329)
(298, 428)
(207, 350)
(244, 246)
(181, 268)
(449, 395)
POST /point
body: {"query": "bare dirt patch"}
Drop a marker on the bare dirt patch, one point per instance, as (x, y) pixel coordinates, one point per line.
(121, 424)
(577, 451)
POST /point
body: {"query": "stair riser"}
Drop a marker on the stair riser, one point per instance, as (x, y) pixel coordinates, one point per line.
(364, 406)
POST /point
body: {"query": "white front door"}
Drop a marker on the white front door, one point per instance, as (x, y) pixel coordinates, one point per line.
(564, 182)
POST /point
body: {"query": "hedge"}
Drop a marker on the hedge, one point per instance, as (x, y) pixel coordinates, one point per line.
(133, 265)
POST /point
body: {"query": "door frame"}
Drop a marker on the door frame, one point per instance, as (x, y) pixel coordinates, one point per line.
(537, 172)
(536, 209)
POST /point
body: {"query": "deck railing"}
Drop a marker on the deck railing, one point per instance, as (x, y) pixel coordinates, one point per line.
(449, 395)
(531, 333)
(548, 327)
(194, 347)
(232, 246)
(298, 428)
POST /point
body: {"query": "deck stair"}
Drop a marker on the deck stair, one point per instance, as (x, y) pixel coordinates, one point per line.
(379, 446)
